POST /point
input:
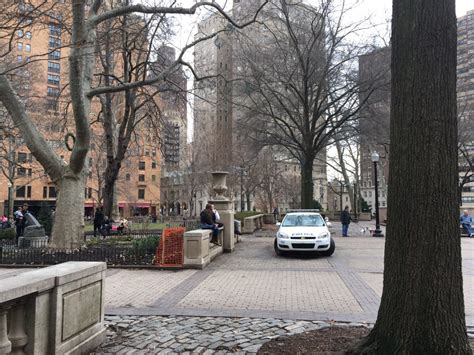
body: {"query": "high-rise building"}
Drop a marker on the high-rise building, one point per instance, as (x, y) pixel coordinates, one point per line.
(374, 124)
(40, 51)
(217, 109)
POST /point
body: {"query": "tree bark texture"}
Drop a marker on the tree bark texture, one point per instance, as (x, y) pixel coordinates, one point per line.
(307, 185)
(68, 228)
(422, 306)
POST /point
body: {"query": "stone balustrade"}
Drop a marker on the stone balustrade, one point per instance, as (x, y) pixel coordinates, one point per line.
(253, 223)
(55, 310)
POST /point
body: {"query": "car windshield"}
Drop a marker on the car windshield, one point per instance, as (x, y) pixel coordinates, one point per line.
(303, 221)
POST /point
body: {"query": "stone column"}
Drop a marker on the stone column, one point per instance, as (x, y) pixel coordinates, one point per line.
(225, 207)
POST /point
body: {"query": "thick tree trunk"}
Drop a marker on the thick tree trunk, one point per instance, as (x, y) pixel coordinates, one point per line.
(307, 185)
(422, 306)
(68, 228)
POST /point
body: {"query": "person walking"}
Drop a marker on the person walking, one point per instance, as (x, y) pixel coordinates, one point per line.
(345, 221)
(98, 221)
(18, 222)
(466, 222)
(276, 214)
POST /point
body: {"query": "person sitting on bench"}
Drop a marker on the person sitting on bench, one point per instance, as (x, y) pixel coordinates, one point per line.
(466, 222)
(207, 222)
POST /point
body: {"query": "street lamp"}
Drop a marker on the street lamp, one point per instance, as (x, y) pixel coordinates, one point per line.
(378, 233)
(10, 188)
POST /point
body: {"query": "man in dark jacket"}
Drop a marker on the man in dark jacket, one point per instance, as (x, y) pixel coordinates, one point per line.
(207, 222)
(98, 220)
(345, 220)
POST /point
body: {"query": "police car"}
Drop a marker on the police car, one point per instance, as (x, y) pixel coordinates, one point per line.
(304, 230)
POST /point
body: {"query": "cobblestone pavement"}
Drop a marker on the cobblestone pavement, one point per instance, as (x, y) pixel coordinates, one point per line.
(198, 335)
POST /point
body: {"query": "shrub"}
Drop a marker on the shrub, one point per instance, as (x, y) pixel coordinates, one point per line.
(146, 245)
(8, 233)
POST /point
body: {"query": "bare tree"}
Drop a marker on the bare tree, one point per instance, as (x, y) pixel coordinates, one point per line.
(69, 177)
(299, 85)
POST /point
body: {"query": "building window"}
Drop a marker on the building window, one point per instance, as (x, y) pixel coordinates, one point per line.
(28, 191)
(19, 58)
(52, 105)
(153, 165)
(19, 46)
(45, 192)
(370, 193)
(141, 177)
(22, 157)
(141, 194)
(383, 203)
(54, 55)
(53, 79)
(153, 178)
(28, 35)
(89, 192)
(20, 191)
(53, 92)
(21, 172)
(28, 47)
(54, 29)
(127, 177)
(52, 192)
(30, 172)
(19, 33)
(54, 42)
(147, 152)
(141, 165)
(54, 67)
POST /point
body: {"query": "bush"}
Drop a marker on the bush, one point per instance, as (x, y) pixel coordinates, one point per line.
(241, 215)
(315, 205)
(8, 233)
(146, 245)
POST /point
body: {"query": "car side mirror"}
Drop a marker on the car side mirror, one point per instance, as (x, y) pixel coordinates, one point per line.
(328, 224)
(278, 224)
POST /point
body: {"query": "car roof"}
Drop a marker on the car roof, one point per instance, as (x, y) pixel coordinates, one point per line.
(300, 213)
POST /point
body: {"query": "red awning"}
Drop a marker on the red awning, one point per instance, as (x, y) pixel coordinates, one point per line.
(141, 205)
(88, 204)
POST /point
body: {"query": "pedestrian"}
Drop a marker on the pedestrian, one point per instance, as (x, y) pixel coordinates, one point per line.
(98, 220)
(207, 222)
(23, 221)
(466, 222)
(18, 220)
(276, 214)
(345, 221)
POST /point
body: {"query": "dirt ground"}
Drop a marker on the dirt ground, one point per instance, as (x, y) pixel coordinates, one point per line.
(332, 339)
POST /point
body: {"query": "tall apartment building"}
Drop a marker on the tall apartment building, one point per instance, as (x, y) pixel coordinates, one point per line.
(173, 99)
(375, 116)
(40, 47)
(216, 114)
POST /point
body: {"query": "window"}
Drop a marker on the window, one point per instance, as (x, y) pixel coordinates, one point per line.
(19, 33)
(147, 152)
(52, 192)
(89, 192)
(141, 194)
(30, 172)
(52, 105)
(127, 177)
(54, 55)
(153, 165)
(365, 193)
(54, 42)
(19, 58)
(53, 91)
(53, 79)
(21, 172)
(153, 178)
(383, 203)
(20, 191)
(45, 192)
(19, 46)
(370, 193)
(28, 47)
(141, 165)
(54, 67)
(54, 29)
(141, 177)
(22, 157)
(28, 191)
(28, 35)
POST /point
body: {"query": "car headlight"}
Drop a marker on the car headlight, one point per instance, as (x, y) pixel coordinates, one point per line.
(323, 236)
(282, 235)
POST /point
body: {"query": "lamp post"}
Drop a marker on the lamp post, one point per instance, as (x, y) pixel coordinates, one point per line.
(10, 188)
(378, 233)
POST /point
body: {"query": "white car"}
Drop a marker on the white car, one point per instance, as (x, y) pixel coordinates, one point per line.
(304, 231)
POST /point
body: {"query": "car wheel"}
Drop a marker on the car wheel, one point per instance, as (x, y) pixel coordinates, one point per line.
(331, 249)
(278, 252)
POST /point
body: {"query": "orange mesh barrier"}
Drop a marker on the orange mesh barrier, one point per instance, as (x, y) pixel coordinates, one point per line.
(170, 247)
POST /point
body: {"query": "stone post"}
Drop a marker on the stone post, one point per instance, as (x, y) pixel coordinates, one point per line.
(225, 207)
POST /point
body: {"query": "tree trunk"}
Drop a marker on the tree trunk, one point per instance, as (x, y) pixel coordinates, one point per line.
(307, 184)
(422, 306)
(68, 228)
